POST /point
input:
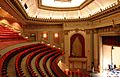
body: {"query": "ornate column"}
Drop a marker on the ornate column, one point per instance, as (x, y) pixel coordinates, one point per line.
(100, 54)
(66, 47)
(96, 51)
(89, 48)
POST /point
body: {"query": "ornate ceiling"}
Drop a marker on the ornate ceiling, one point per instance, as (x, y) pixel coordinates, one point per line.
(35, 8)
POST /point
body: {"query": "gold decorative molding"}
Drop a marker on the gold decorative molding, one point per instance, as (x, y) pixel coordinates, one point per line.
(114, 8)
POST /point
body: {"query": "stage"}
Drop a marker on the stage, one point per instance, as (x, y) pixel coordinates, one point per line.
(107, 73)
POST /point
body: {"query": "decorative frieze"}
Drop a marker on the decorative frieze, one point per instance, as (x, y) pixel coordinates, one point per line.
(116, 28)
(113, 28)
(88, 31)
(105, 29)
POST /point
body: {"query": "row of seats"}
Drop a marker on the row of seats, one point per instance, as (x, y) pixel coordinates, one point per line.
(6, 33)
(29, 60)
(45, 65)
(6, 58)
(56, 70)
(19, 58)
(9, 37)
(46, 56)
(38, 58)
(38, 61)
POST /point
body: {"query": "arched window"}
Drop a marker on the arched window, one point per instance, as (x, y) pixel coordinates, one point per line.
(77, 47)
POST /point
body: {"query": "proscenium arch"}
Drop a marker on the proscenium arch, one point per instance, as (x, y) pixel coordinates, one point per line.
(81, 40)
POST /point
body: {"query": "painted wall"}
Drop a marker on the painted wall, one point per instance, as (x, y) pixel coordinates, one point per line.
(50, 31)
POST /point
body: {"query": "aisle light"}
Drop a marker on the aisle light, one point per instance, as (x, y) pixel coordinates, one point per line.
(26, 37)
(53, 45)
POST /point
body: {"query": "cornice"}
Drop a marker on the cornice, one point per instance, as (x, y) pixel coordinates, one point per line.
(111, 28)
(87, 2)
(115, 8)
(18, 8)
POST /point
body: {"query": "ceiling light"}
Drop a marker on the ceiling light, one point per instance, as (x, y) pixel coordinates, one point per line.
(62, 3)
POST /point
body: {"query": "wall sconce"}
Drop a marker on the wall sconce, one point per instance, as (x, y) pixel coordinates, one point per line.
(44, 35)
(56, 35)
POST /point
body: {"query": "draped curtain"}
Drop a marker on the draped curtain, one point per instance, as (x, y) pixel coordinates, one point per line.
(111, 40)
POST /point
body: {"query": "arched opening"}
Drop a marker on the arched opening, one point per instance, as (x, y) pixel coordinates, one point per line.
(77, 47)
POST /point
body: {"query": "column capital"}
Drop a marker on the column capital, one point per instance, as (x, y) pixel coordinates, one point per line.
(66, 32)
